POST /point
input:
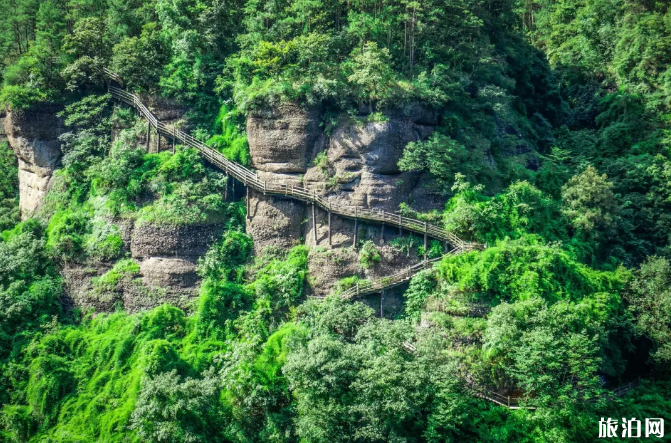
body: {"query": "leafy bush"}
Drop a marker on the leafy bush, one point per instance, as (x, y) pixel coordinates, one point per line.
(9, 188)
(122, 270)
(231, 141)
(369, 255)
(170, 408)
(104, 243)
(524, 269)
(66, 234)
(225, 258)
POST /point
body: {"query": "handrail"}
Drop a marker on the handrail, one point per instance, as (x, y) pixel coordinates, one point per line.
(366, 287)
(251, 179)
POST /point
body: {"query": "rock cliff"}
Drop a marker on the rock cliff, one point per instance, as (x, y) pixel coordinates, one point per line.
(167, 257)
(34, 135)
(355, 165)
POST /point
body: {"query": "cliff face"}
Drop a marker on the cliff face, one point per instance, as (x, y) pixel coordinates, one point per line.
(167, 257)
(356, 165)
(33, 135)
(166, 254)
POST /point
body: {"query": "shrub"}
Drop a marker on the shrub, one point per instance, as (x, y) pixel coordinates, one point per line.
(65, 234)
(225, 258)
(369, 255)
(104, 243)
(122, 270)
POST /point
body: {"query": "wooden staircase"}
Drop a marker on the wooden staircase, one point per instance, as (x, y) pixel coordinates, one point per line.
(251, 180)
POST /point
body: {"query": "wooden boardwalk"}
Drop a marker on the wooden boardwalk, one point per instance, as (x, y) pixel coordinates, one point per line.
(251, 180)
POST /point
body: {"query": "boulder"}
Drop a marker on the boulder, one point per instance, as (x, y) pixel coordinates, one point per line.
(283, 139)
(34, 135)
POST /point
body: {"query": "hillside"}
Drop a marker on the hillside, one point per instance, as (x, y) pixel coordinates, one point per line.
(279, 221)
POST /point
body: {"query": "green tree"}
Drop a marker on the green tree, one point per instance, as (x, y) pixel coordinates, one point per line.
(589, 204)
(650, 296)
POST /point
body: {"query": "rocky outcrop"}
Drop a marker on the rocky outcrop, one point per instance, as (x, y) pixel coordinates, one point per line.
(328, 266)
(362, 167)
(358, 165)
(167, 256)
(34, 135)
(282, 139)
(159, 240)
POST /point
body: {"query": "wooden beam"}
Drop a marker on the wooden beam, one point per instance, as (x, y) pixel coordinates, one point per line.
(330, 243)
(146, 143)
(356, 231)
(314, 224)
(248, 215)
(382, 304)
(426, 243)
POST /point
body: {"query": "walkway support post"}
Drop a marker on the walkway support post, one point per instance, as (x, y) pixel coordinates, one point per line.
(330, 244)
(400, 224)
(382, 229)
(426, 230)
(314, 224)
(382, 304)
(356, 226)
(248, 215)
(228, 178)
(146, 143)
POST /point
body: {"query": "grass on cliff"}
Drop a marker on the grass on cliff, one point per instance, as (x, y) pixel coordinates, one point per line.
(106, 378)
(9, 188)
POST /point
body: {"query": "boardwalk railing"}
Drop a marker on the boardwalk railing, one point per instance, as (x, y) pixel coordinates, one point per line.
(251, 179)
(366, 287)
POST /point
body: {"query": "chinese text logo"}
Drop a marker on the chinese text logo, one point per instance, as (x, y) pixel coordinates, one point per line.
(609, 427)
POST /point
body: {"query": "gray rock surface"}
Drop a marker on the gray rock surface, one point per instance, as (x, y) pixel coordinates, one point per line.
(33, 135)
(361, 169)
(167, 256)
(283, 139)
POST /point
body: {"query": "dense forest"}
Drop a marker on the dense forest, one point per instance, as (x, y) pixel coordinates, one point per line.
(552, 147)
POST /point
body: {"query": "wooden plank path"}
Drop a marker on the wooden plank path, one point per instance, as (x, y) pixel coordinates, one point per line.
(251, 180)
(366, 287)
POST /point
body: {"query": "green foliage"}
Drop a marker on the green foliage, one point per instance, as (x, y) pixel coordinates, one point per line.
(278, 285)
(170, 408)
(440, 155)
(589, 202)
(650, 296)
(524, 269)
(130, 56)
(29, 288)
(521, 209)
(225, 259)
(321, 161)
(231, 141)
(9, 186)
(368, 255)
(122, 270)
(549, 352)
(65, 234)
(422, 286)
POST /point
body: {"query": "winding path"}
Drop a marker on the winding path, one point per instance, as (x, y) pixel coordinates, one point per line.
(251, 180)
